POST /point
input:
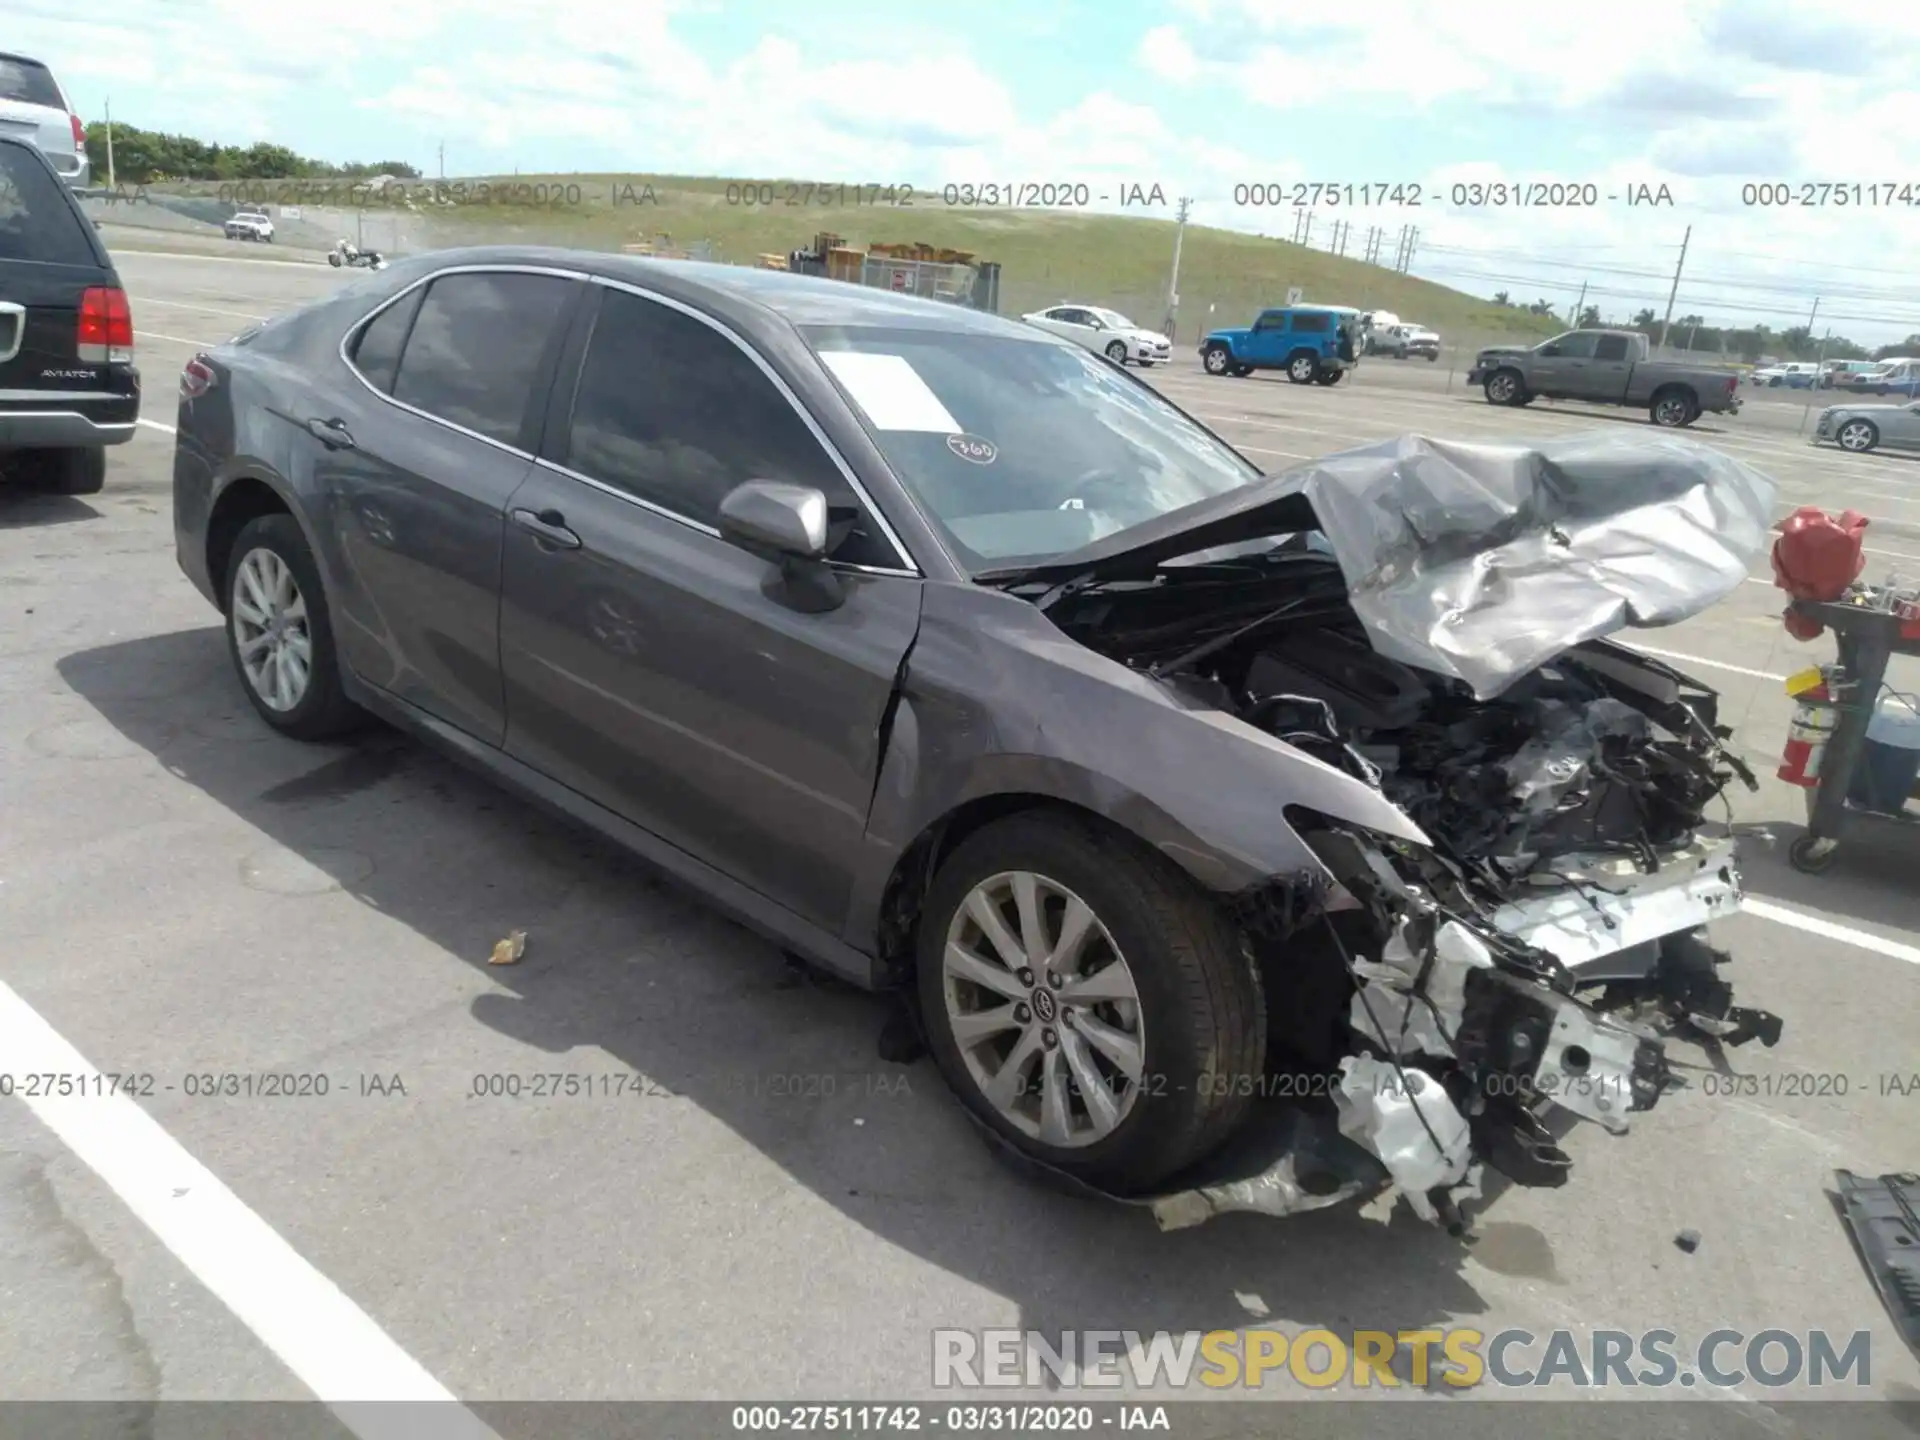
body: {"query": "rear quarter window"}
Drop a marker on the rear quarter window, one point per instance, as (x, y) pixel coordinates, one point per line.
(1312, 324)
(28, 82)
(37, 220)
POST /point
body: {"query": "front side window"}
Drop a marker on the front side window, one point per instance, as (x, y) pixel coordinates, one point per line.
(671, 411)
(1019, 449)
(1574, 345)
(478, 345)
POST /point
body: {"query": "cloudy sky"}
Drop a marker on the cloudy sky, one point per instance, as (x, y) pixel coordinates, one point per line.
(1198, 96)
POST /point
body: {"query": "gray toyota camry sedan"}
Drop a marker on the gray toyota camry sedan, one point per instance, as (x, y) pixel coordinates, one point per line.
(1233, 840)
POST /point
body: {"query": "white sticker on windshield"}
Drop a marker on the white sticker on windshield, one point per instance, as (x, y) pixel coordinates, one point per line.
(890, 391)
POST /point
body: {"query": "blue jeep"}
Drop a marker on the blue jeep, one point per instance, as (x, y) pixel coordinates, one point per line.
(1314, 344)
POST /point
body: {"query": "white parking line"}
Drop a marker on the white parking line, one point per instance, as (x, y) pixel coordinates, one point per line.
(1827, 929)
(177, 339)
(215, 259)
(192, 305)
(332, 1345)
(1680, 659)
(158, 425)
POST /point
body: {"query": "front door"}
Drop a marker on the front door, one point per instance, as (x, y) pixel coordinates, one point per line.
(1268, 343)
(647, 665)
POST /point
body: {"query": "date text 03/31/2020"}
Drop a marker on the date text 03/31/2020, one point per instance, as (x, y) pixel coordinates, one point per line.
(1461, 195)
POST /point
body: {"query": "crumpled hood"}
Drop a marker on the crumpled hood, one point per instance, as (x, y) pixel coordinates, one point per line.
(1484, 561)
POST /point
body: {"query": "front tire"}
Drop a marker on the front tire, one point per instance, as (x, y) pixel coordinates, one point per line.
(279, 634)
(1087, 1001)
(1117, 352)
(1858, 436)
(1217, 360)
(333, 258)
(1503, 387)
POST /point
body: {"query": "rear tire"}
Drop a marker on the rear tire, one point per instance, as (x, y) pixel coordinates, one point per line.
(1302, 368)
(1193, 1033)
(81, 470)
(272, 588)
(1673, 409)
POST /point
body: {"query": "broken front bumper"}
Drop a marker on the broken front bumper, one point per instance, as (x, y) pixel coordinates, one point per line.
(1604, 919)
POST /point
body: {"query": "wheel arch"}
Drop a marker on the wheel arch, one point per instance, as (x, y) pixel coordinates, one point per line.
(904, 895)
(244, 498)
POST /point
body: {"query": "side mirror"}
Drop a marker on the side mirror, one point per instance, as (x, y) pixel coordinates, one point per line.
(775, 521)
(786, 525)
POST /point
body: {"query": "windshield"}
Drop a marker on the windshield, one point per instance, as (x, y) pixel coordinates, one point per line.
(1022, 449)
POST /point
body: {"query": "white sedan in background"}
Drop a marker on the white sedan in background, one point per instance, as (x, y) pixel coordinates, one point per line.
(1105, 332)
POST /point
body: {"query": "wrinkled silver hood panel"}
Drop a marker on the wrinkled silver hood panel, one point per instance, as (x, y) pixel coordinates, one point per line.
(1485, 561)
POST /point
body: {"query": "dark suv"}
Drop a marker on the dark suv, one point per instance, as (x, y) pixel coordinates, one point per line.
(68, 386)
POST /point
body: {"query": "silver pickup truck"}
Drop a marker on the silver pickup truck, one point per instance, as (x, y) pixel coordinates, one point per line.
(1604, 367)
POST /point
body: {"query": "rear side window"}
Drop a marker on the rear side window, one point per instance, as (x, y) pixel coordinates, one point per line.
(479, 343)
(376, 354)
(37, 220)
(28, 82)
(672, 412)
(1312, 324)
(1611, 347)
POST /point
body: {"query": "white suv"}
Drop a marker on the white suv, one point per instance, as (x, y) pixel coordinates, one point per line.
(34, 107)
(249, 225)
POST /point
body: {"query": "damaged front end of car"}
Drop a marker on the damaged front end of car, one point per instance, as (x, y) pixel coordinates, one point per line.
(1429, 620)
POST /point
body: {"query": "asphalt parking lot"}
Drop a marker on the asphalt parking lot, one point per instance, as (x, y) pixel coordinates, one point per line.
(185, 894)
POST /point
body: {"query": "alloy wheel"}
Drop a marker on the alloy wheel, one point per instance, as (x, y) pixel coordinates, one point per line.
(270, 630)
(1856, 435)
(1501, 389)
(1043, 1009)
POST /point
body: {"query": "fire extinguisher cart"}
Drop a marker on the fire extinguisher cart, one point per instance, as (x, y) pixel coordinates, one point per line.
(1867, 639)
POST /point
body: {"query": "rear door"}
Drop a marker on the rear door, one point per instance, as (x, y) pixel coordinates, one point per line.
(33, 109)
(433, 436)
(1608, 373)
(50, 258)
(1077, 325)
(649, 664)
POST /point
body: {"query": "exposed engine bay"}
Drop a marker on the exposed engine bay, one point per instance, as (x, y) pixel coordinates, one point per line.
(1537, 954)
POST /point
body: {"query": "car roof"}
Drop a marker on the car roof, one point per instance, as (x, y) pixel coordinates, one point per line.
(802, 300)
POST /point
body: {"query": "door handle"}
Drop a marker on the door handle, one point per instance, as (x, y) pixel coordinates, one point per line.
(548, 526)
(331, 433)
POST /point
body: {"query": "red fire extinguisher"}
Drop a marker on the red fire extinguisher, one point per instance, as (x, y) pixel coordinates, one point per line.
(1812, 726)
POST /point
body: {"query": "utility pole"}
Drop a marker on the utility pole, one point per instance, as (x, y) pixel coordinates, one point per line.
(1346, 234)
(1173, 283)
(1679, 265)
(1306, 237)
(1811, 316)
(108, 113)
(1579, 306)
(1299, 217)
(1818, 366)
(1413, 239)
(443, 159)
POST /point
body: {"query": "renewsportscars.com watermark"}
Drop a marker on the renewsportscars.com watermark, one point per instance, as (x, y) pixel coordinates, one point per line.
(1319, 1359)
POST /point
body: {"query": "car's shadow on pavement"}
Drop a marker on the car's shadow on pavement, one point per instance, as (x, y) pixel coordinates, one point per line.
(619, 960)
(22, 509)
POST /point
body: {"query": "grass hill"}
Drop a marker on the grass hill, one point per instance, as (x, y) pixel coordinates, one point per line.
(1046, 256)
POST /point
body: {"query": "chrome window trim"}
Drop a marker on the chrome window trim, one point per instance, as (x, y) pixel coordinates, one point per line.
(355, 330)
(909, 566)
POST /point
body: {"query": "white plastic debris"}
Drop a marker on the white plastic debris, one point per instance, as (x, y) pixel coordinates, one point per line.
(1389, 1007)
(1405, 1117)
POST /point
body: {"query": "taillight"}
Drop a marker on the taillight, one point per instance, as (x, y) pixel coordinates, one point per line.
(79, 135)
(106, 326)
(196, 379)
